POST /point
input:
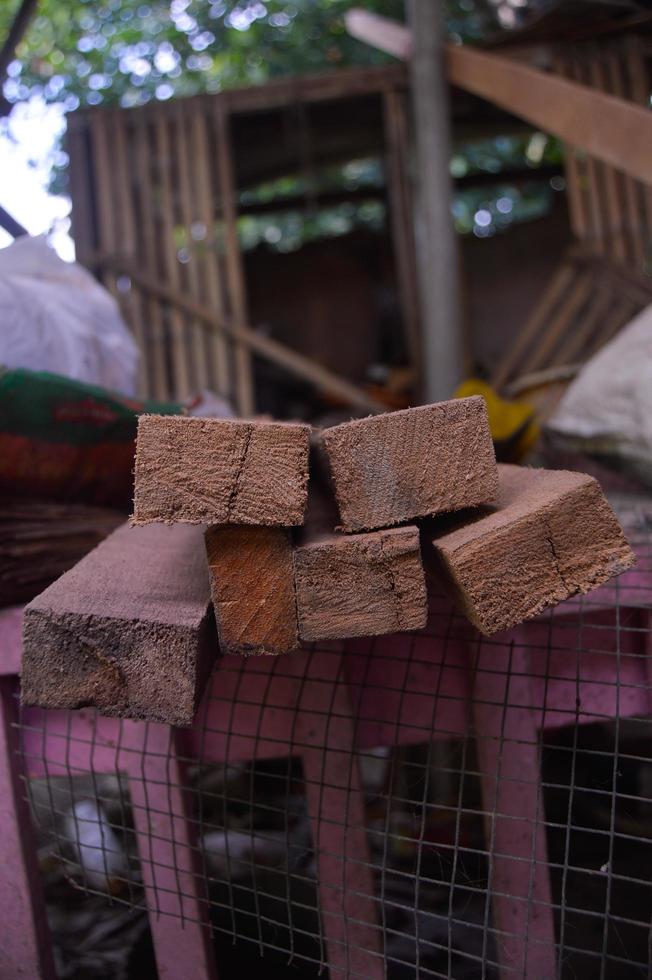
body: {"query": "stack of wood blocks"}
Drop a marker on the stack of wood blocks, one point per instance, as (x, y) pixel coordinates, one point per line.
(130, 630)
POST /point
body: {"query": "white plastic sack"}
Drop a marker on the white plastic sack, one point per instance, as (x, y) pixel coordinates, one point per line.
(609, 405)
(55, 317)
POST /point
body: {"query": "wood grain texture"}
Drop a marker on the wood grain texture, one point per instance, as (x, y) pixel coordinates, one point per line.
(217, 471)
(393, 468)
(252, 585)
(360, 585)
(129, 630)
(551, 535)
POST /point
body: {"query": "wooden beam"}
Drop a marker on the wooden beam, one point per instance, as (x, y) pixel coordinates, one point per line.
(266, 347)
(220, 471)
(436, 253)
(129, 630)
(360, 585)
(413, 463)
(252, 585)
(551, 535)
(609, 128)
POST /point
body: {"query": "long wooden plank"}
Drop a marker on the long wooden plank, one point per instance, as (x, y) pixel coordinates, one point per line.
(129, 630)
(605, 126)
(400, 466)
(272, 350)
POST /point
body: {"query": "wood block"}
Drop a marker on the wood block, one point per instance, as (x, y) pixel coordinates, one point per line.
(129, 630)
(360, 585)
(389, 469)
(551, 535)
(252, 584)
(220, 471)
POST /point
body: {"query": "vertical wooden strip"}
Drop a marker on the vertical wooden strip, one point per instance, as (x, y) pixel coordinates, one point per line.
(639, 82)
(235, 274)
(148, 258)
(181, 376)
(83, 228)
(188, 214)
(400, 216)
(106, 234)
(574, 173)
(123, 199)
(594, 171)
(212, 287)
(614, 241)
(631, 187)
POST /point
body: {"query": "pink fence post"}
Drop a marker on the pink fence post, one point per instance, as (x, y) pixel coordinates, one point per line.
(177, 904)
(506, 727)
(25, 947)
(326, 730)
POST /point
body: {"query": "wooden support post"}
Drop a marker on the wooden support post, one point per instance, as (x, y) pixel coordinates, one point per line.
(512, 800)
(437, 261)
(177, 900)
(326, 730)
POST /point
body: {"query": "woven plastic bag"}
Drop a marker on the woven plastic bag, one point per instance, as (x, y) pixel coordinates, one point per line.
(55, 317)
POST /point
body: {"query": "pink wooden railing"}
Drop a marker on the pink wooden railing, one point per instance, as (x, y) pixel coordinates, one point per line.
(583, 663)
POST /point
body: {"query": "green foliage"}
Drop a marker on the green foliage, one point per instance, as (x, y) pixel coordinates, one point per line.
(129, 51)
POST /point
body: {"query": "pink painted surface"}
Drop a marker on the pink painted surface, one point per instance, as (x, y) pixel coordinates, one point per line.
(326, 729)
(562, 669)
(508, 754)
(167, 846)
(25, 950)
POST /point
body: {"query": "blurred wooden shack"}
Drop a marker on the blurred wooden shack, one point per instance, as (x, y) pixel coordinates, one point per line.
(159, 191)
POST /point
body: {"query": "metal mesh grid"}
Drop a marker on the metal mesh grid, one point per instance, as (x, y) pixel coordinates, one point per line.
(429, 805)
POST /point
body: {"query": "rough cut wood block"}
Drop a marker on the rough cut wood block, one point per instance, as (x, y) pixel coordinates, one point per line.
(389, 469)
(360, 585)
(551, 535)
(220, 471)
(129, 630)
(252, 584)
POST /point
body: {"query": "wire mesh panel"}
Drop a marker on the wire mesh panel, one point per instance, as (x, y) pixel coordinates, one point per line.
(429, 805)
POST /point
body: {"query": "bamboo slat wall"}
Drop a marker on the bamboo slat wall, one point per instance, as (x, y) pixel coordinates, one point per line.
(155, 216)
(152, 190)
(606, 278)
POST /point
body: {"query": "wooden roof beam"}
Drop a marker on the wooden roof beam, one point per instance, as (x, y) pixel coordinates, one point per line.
(611, 129)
